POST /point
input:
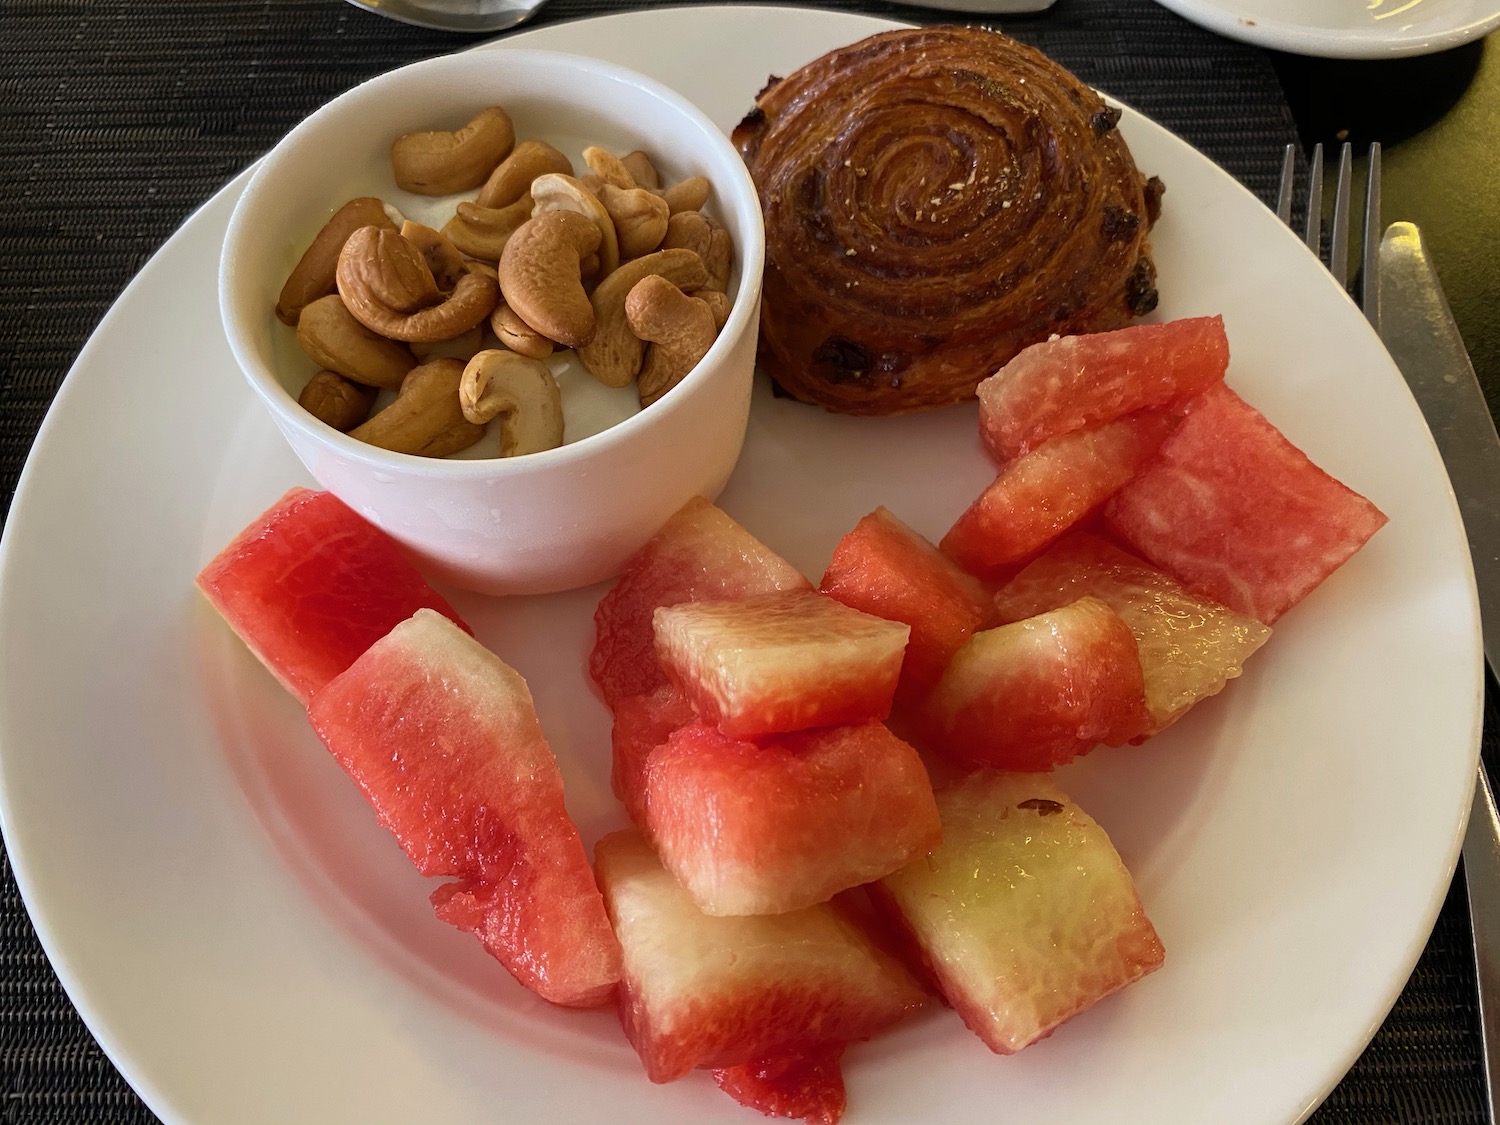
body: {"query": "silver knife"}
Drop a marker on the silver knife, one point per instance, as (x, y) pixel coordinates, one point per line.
(1419, 332)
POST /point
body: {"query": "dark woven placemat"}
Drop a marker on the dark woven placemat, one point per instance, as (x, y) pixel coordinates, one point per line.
(118, 118)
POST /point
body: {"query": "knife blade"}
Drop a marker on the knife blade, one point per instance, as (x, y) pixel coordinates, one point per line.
(1419, 331)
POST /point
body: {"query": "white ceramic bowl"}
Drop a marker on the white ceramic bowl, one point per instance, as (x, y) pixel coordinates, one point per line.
(548, 521)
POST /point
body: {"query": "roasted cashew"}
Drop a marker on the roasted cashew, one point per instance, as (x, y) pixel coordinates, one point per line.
(608, 167)
(718, 303)
(540, 278)
(336, 401)
(679, 328)
(426, 418)
(556, 192)
(482, 232)
(615, 353)
(328, 332)
(444, 261)
(518, 391)
(641, 170)
(640, 218)
(686, 195)
(512, 179)
(377, 282)
(440, 163)
(312, 276)
(461, 347)
(705, 238)
(517, 335)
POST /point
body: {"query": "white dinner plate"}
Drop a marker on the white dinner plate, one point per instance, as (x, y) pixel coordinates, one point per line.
(250, 947)
(1346, 29)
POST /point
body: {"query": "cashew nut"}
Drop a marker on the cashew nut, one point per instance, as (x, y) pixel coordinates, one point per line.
(335, 401)
(461, 347)
(540, 278)
(481, 232)
(687, 195)
(705, 238)
(640, 218)
(328, 332)
(443, 259)
(440, 163)
(517, 335)
(718, 303)
(512, 179)
(556, 192)
(614, 355)
(518, 391)
(679, 328)
(608, 167)
(312, 276)
(641, 170)
(380, 283)
(426, 419)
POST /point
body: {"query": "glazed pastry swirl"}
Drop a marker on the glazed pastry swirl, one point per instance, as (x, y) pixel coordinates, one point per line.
(935, 200)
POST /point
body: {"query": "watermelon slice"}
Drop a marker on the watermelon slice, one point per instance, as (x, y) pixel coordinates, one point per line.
(806, 1087)
(1037, 693)
(779, 662)
(310, 585)
(765, 828)
(1236, 511)
(1025, 914)
(1042, 493)
(443, 739)
(1190, 646)
(699, 553)
(883, 567)
(700, 991)
(641, 724)
(1070, 382)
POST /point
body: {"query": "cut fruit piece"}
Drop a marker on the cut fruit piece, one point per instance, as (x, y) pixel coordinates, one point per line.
(885, 568)
(700, 553)
(1236, 511)
(1025, 914)
(765, 828)
(1041, 494)
(443, 739)
(778, 662)
(1190, 646)
(1071, 382)
(1037, 693)
(806, 1087)
(712, 992)
(310, 585)
(642, 723)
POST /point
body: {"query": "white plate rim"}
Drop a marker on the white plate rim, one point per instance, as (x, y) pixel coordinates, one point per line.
(1376, 41)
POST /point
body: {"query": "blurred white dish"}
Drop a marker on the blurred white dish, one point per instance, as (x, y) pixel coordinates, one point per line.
(250, 946)
(1346, 29)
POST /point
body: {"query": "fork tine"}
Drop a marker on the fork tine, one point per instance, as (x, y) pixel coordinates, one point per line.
(1370, 288)
(1314, 228)
(1288, 180)
(1338, 238)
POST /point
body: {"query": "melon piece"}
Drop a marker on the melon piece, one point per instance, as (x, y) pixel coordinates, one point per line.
(1071, 382)
(1025, 915)
(779, 662)
(309, 585)
(1234, 510)
(1036, 693)
(443, 739)
(700, 553)
(1190, 646)
(1042, 493)
(763, 828)
(641, 724)
(885, 568)
(806, 1087)
(700, 991)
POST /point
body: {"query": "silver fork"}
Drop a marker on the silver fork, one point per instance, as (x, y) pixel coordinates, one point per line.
(1338, 235)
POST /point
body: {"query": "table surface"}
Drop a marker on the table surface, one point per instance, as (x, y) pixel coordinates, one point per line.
(100, 97)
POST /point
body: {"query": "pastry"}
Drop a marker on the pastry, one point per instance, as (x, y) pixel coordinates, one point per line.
(935, 200)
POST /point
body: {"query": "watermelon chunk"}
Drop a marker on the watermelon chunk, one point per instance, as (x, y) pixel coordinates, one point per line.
(779, 662)
(765, 828)
(443, 739)
(1037, 693)
(309, 585)
(700, 991)
(1237, 512)
(1026, 914)
(1042, 493)
(1070, 382)
(700, 553)
(806, 1087)
(1190, 646)
(883, 567)
(641, 724)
